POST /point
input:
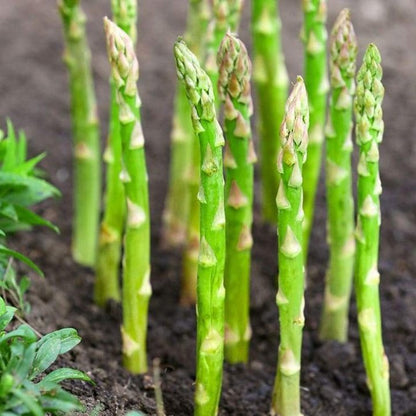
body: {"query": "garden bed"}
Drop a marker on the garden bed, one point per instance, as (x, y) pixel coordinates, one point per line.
(34, 94)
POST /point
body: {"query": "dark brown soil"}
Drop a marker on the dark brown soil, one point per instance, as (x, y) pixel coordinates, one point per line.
(33, 91)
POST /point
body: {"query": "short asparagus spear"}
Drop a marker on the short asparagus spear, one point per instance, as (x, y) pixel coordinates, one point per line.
(177, 211)
(369, 132)
(211, 293)
(316, 81)
(136, 267)
(290, 300)
(234, 91)
(87, 166)
(271, 81)
(343, 50)
(109, 244)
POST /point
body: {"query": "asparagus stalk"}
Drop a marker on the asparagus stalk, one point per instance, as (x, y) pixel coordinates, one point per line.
(316, 81)
(179, 209)
(234, 91)
(369, 132)
(136, 264)
(210, 290)
(271, 81)
(290, 300)
(343, 51)
(226, 16)
(109, 244)
(196, 41)
(87, 167)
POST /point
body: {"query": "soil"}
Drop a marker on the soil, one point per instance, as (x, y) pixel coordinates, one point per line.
(34, 94)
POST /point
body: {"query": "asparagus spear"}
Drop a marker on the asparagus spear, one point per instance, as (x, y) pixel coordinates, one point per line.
(179, 209)
(271, 81)
(316, 81)
(234, 91)
(290, 300)
(109, 244)
(343, 50)
(87, 167)
(369, 132)
(226, 16)
(211, 293)
(136, 264)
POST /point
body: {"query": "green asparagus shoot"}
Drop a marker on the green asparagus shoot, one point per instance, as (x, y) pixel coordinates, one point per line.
(181, 211)
(136, 264)
(290, 299)
(234, 91)
(226, 16)
(271, 82)
(369, 133)
(210, 288)
(343, 52)
(87, 165)
(316, 81)
(109, 244)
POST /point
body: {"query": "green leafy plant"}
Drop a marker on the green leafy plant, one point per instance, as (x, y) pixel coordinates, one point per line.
(21, 187)
(25, 389)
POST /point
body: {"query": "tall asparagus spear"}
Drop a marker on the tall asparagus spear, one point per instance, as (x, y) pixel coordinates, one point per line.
(109, 247)
(211, 293)
(190, 255)
(177, 211)
(226, 16)
(234, 91)
(343, 50)
(369, 133)
(271, 81)
(316, 81)
(136, 267)
(87, 166)
(290, 300)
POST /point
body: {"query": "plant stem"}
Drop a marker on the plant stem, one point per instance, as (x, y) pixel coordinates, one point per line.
(369, 133)
(136, 264)
(234, 91)
(210, 290)
(179, 207)
(290, 299)
(271, 81)
(316, 81)
(226, 16)
(109, 245)
(87, 166)
(343, 52)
